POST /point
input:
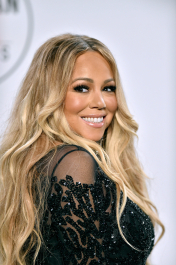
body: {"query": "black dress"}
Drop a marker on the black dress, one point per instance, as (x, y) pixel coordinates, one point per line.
(80, 224)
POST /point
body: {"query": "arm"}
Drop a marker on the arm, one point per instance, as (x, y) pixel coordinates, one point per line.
(73, 213)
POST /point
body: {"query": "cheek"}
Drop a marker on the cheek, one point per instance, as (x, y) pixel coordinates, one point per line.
(73, 104)
(112, 104)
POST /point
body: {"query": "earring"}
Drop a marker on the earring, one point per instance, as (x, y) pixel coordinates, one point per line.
(101, 141)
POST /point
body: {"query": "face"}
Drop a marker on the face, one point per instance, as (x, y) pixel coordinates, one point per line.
(90, 101)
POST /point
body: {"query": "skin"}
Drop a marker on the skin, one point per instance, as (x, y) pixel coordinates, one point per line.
(90, 94)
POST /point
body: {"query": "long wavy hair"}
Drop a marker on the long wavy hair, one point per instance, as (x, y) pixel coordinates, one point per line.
(37, 125)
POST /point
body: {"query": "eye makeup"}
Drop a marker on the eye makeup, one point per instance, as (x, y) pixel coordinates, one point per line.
(81, 88)
(85, 88)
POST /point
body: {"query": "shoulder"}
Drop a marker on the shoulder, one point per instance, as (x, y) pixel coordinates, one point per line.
(72, 152)
(71, 158)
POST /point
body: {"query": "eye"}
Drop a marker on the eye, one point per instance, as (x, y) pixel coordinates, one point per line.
(81, 88)
(110, 88)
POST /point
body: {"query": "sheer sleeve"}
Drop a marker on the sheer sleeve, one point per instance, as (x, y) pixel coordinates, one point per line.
(79, 225)
(75, 162)
(72, 209)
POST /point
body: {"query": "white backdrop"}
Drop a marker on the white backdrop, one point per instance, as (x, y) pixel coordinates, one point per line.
(141, 35)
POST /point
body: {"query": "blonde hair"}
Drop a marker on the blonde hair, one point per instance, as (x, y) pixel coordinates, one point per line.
(38, 124)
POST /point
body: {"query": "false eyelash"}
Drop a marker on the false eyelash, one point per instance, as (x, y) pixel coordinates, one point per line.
(113, 88)
(79, 87)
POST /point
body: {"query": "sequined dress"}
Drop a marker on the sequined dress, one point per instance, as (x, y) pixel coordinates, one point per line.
(79, 226)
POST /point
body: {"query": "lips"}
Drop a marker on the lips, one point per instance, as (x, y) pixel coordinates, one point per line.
(96, 122)
(94, 115)
(100, 119)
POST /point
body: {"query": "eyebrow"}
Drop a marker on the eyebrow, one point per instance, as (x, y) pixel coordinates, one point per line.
(91, 80)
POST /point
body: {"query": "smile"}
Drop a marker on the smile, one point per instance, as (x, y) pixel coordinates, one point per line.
(94, 120)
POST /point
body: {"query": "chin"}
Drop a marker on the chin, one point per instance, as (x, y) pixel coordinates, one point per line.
(95, 139)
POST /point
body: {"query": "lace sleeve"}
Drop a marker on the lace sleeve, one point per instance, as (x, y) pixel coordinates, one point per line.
(80, 225)
(73, 218)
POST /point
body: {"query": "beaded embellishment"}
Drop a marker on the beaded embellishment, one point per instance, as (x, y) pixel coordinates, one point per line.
(80, 225)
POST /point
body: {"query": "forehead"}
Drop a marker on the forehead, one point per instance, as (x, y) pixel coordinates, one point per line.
(92, 62)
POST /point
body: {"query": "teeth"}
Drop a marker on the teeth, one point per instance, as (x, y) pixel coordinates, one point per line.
(95, 120)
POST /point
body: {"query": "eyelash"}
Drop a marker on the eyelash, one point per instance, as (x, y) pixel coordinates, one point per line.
(80, 88)
(113, 88)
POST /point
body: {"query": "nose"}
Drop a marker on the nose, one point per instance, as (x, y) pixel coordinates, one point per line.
(97, 101)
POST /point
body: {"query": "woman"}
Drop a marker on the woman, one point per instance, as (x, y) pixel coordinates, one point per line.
(72, 188)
